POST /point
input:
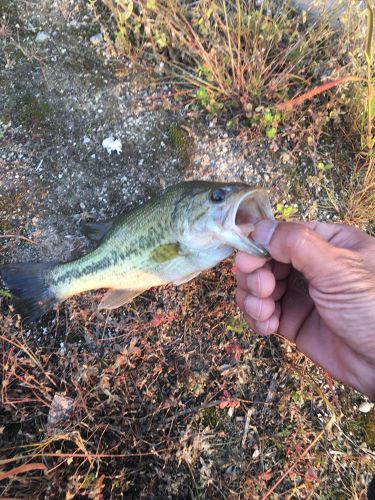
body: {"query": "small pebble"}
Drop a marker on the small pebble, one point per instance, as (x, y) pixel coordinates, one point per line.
(111, 144)
(41, 37)
(96, 39)
(365, 407)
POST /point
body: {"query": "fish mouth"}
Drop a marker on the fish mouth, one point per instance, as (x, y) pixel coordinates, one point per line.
(248, 209)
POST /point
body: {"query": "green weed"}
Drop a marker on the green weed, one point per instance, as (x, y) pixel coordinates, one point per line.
(5, 294)
(363, 427)
(237, 325)
(286, 212)
(324, 167)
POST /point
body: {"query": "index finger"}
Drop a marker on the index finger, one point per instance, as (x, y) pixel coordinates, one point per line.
(248, 263)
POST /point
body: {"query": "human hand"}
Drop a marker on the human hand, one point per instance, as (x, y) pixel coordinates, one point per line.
(318, 291)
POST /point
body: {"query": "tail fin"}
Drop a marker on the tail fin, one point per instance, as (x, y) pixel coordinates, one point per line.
(29, 286)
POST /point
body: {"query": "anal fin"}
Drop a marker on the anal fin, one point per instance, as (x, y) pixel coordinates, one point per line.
(116, 298)
(186, 278)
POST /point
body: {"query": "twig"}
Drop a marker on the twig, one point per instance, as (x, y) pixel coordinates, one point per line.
(86, 455)
(21, 469)
(296, 101)
(29, 353)
(246, 429)
(19, 236)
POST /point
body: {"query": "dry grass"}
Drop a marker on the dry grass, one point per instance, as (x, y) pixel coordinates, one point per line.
(169, 399)
(236, 55)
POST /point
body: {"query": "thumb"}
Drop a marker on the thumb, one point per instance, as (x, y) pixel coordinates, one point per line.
(294, 243)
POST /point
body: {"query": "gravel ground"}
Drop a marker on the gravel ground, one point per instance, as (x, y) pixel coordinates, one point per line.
(62, 94)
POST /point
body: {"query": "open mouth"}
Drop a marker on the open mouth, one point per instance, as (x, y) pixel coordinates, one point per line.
(249, 209)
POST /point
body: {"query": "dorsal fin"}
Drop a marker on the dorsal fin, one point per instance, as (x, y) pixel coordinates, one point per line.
(95, 231)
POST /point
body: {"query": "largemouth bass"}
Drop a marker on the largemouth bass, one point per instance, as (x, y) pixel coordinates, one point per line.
(184, 230)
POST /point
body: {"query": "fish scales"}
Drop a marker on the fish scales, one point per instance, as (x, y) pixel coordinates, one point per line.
(123, 259)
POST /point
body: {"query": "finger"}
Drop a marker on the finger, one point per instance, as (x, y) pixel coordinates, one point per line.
(250, 321)
(296, 244)
(259, 309)
(280, 289)
(260, 283)
(267, 327)
(280, 270)
(248, 263)
(296, 308)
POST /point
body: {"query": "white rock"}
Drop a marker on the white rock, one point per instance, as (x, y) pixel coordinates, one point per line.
(85, 140)
(41, 37)
(365, 407)
(96, 39)
(111, 144)
(74, 24)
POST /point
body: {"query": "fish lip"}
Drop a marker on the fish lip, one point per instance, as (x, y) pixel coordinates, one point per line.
(258, 199)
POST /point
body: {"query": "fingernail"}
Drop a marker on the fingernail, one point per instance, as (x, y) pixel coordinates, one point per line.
(264, 231)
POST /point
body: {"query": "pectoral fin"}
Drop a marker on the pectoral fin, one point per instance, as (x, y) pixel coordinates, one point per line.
(116, 298)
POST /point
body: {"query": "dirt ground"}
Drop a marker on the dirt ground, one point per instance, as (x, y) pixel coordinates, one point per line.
(171, 396)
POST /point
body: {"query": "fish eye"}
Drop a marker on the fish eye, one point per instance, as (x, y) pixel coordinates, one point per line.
(218, 195)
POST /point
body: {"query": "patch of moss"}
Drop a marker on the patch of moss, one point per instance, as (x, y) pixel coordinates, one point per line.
(8, 203)
(363, 428)
(13, 200)
(32, 111)
(179, 139)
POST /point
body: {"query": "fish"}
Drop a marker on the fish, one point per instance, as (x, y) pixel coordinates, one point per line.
(180, 232)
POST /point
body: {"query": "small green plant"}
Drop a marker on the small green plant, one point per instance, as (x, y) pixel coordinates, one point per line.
(324, 167)
(196, 383)
(237, 325)
(208, 101)
(270, 122)
(298, 397)
(5, 294)
(286, 212)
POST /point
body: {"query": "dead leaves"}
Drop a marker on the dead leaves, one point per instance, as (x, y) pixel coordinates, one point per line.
(227, 401)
